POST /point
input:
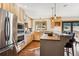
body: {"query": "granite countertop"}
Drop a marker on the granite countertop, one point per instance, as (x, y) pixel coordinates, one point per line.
(61, 34)
(46, 37)
(57, 36)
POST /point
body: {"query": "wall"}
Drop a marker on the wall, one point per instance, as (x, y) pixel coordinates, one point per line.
(43, 10)
(48, 23)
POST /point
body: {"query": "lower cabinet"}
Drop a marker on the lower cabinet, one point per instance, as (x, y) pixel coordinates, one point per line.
(37, 36)
(29, 39)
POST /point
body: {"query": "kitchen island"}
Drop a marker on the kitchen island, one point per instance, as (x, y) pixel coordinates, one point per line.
(53, 45)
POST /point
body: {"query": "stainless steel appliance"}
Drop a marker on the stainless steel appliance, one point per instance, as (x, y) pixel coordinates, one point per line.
(8, 26)
(21, 32)
(20, 28)
(20, 37)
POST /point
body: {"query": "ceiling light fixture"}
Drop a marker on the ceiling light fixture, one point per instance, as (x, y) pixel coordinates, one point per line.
(54, 8)
(55, 11)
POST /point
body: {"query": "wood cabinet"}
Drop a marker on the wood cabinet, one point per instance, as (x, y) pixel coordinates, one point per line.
(37, 36)
(29, 39)
(52, 21)
(30, 22)
(56, 22)
(22, 15)
(9, 7)
(0, 5)
(19, 12)
(6, 6)
(13, 9)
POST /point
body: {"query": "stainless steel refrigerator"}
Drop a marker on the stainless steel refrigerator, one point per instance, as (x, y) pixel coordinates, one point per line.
(8, 30)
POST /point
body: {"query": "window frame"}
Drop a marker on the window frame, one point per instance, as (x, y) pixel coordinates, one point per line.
(71, 24)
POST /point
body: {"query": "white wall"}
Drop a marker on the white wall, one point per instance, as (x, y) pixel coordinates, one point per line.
(48, 23)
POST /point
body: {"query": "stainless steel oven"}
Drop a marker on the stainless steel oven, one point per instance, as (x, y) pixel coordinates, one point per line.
(20, 32)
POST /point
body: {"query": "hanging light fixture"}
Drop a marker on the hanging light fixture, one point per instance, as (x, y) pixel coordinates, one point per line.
(52, 10)
(55, 11)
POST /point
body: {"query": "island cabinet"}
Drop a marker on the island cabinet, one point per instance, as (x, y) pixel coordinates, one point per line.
(53, 45)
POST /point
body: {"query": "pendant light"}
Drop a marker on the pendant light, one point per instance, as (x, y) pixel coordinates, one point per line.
(55, 11)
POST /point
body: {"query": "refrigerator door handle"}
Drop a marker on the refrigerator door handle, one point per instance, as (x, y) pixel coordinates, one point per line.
(7, 29)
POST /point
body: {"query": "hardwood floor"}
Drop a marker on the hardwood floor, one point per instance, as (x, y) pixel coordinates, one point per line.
(33, 49)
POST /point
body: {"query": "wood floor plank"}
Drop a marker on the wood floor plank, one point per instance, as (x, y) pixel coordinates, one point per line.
(27, 50)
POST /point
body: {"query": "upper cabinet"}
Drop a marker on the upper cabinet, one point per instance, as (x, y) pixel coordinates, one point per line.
(56, 22)
(0, 5)
(52, 22)
(20, 14)
(11, 7)
(30, 22)
(6, 6)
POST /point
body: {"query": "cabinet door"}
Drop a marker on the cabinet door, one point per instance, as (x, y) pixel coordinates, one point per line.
(18, 15)
(11, 8)
(37, 35)
(30, 23)
(22, 15)
(29, 39)
(6, 6)
(0, 5)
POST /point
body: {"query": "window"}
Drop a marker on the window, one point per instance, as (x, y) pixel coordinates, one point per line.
(66, 27)
(75, 26)
(70, 26)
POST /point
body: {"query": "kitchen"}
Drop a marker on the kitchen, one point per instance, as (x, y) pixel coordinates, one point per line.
(27, 30)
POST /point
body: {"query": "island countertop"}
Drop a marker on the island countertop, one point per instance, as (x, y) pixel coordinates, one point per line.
(61, 34)
(46, 37)
(56, 36)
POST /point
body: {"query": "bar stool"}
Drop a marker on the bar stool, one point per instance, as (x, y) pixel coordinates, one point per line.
(70, 44)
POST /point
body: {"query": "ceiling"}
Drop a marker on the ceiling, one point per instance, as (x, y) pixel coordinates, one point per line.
(44, 10)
